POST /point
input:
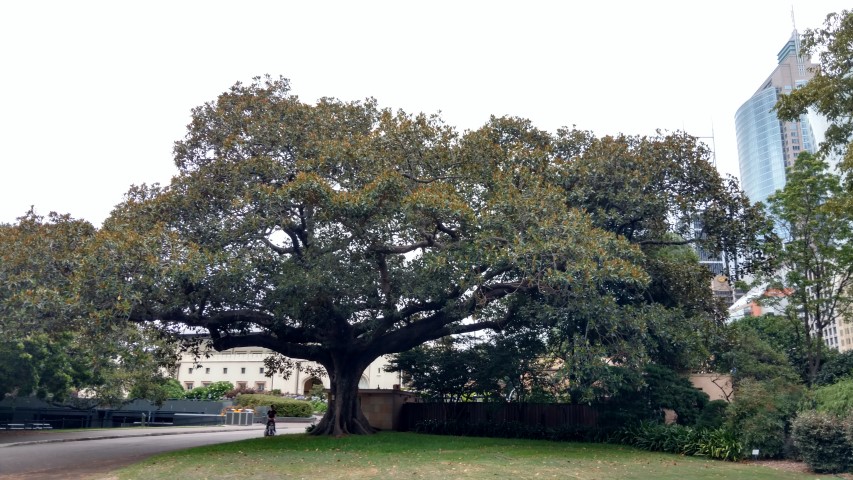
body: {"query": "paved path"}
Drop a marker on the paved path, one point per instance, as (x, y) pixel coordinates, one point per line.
(87, 454)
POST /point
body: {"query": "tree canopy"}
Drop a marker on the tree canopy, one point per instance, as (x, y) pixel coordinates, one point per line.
(341, 232)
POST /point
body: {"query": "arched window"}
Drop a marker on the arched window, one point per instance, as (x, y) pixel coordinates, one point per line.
(309, 384)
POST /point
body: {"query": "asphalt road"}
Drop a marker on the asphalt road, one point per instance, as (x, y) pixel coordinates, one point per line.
(95, 458)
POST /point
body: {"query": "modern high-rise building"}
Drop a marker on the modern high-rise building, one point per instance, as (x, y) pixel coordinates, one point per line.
(766, 145)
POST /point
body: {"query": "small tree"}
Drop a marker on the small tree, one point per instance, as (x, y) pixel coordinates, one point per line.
(816, 256)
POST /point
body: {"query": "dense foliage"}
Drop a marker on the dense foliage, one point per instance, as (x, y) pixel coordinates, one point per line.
(836, 398)
(213, 391)
(504, 367)
(835, 368)
(762, 413)
(720, 443)
(286, 407)
(713, 415)
(53, 341)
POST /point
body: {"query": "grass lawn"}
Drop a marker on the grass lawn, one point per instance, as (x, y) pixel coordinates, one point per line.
(412, 456)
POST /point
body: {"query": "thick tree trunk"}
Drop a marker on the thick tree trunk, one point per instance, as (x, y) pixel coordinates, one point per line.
(344, 416)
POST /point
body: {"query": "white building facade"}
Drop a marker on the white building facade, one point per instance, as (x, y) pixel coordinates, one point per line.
(244, 367)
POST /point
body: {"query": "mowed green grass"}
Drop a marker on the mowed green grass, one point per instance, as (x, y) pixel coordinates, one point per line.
(413, 456)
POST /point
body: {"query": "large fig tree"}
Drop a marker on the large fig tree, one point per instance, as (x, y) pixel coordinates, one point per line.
(339, 232)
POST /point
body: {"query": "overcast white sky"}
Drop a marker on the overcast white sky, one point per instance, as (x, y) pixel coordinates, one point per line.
(93, 94)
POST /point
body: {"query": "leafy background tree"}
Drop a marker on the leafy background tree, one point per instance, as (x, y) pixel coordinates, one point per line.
(663, 195)
(814, 209)
(764, 348)
(53, 343)
(504, 367)
(38, 314)
(440, 371)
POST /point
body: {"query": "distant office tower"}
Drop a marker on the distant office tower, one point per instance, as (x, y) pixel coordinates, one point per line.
(715, 263)
(766, 145)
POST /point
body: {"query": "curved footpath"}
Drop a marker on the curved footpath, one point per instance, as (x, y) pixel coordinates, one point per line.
(11, 438)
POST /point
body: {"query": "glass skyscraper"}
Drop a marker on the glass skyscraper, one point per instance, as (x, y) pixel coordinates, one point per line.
(766, 145)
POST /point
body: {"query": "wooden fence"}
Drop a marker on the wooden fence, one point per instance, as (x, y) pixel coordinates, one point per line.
(544, 414)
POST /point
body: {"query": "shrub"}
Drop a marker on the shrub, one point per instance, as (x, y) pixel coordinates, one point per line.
(317, 397)
(667, 389)
(765, 432)
(214, 391)
(761, 414)
(158, 390)
(720, 444)
(319, 406)
(822, 443)
(173, 389)
(713, 415)
(836, 399)
(656, 437)
(286, 407)
(240, 391)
